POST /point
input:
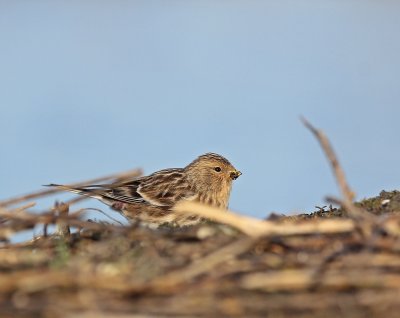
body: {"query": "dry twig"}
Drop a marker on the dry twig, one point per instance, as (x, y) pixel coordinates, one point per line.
(347, 193)
(43, 193)
(256, 228)
(201, 266)
(365, 222)
(62, 210)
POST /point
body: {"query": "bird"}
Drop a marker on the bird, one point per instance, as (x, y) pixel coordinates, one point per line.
(150, 199)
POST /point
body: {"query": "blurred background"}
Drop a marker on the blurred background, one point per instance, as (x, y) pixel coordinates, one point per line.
(88, 88)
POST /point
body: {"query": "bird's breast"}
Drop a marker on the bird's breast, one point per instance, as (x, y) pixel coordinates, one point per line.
(218, 198)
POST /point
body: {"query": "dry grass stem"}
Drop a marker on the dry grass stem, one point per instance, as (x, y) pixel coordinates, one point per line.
(365, 221)
(62, 210)
(256, 228)
(42, 193)
(347, 193)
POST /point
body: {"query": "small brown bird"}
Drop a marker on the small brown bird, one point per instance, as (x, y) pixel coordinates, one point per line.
(208, 179)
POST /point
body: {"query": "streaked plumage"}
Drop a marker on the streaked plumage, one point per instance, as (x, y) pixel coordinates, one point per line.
(208, 179)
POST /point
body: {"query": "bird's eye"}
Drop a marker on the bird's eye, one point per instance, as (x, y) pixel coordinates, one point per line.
(218, 169)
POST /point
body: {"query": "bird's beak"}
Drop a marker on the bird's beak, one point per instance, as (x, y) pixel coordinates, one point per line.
(235, 174)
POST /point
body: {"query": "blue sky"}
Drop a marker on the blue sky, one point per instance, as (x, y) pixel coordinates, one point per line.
(88, 88)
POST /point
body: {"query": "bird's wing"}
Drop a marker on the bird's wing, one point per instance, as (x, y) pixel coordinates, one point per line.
(162, 188)
(165, 187)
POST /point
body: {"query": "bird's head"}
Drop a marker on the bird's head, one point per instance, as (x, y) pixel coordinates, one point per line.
(213, 171)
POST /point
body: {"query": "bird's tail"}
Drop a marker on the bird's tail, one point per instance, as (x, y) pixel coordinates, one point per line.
(90, 191)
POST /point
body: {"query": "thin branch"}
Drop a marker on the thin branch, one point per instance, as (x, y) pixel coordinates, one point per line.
(347, 193)
(201, 266)
(43, 193)
(62, 210)
(255, 228)
(345, 189)
(104, 213)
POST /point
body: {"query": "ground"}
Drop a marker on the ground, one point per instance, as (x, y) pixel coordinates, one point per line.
(208, 270)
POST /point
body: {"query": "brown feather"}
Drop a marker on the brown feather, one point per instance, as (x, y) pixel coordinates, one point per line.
(208, 179)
